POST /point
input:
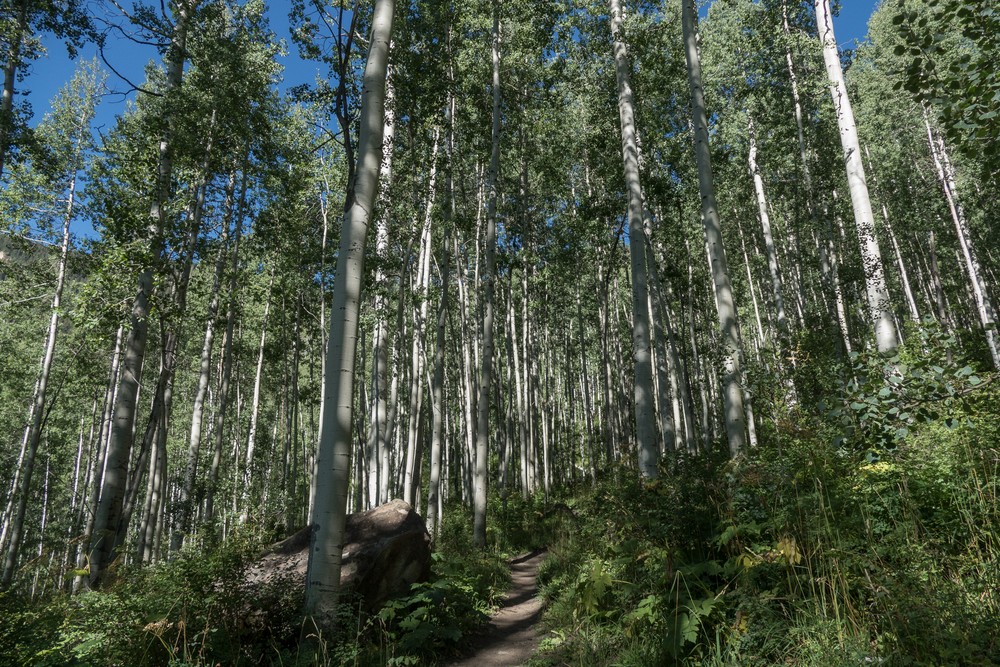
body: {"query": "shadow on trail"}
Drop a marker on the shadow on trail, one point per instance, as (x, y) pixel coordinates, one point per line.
(511, 637)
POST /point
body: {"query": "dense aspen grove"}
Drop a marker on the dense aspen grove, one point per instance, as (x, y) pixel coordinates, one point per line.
(680, 291)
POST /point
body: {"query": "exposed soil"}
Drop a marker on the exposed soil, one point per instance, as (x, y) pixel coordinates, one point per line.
(511, 636)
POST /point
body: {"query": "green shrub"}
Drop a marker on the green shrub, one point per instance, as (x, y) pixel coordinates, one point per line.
(862, 529)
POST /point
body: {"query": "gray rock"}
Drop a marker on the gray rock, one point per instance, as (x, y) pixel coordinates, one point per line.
(385, 550)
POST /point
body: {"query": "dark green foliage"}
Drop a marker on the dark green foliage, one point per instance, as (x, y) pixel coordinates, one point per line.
(951, 63)
(435, 617)
(836, 541)
(886, 398)
(199, 610)
(196, 609)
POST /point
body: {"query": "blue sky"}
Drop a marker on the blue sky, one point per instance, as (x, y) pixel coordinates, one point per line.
(49, 73)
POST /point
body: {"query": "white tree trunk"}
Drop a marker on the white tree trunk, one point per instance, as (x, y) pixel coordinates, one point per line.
(227, 365)
(481, 474)
(33, 431)
(879, 305)
(434, 496)
(984, 306)
(729, 327)
(246, 479)
(418, 356)
(204, 375)
(645, 411)
(377, 437)
(110, 506)
(334, 456)
(765, 222)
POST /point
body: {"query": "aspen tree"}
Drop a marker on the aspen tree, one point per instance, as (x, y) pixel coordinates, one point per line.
(481, 462)
(411, 474)
(946, 177)
(204, 370)
(434, 495)
(69, 128)
(728, 324)
(645, 412)
(879, 305)
(107, 528)
(333, 460)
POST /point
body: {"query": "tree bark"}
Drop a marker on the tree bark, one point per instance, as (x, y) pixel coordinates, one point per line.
(728, 325)
(879, 305)
(33, 432)
(248, 462)
(645, 417)
(481, 464)
(333, 461)
(772, 254)
(227, 362)
(109, 509)
(437, 382)
(984, 306)
(413, 441)
(377, 437)
(204, 373)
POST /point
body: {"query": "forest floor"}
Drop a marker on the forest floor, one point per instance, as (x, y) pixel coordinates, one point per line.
(511, 637)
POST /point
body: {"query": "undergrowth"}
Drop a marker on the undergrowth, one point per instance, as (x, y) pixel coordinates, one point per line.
(198, 610)
(861, 530)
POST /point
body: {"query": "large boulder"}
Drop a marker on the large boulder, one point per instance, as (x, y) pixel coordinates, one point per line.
(385, 550)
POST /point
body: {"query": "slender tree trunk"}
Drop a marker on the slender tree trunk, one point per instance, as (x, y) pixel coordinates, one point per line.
(9, 77)
(984, 306)
(96, 474)
(204, 372)
(33, 432)
(608, 413)
(645, 418)
(587, 404)
(761, 336)
(377, 440)
(939, 300)
(838, 290)
(729, 327)
(248, 463)
(666, 416)
(772, 254)
(904, 276)
(438, 437)
(684, 410)
(517, 403)
(437, 383)
(219, 432)
(481, 474)
(156, 433)
(413, 448)
(879, 305)
(468, 380)
(333, 461)
(109, 509)
(155, 490)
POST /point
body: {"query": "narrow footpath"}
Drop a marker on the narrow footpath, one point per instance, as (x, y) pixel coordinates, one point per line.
(511, 637)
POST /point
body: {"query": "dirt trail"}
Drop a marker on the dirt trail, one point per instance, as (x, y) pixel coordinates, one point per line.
(511, 637)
